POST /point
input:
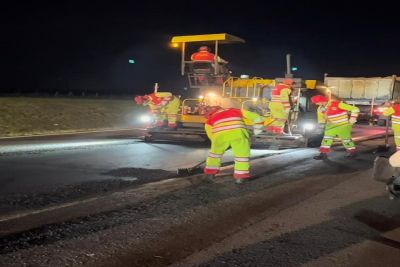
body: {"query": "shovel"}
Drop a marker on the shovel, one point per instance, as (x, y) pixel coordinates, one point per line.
(190, 171)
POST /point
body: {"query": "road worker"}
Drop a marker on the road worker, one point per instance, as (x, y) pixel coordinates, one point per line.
(226, 128)
(394, 112)
(334, 114)
(163, 105)
(204, 54)
(280, 106)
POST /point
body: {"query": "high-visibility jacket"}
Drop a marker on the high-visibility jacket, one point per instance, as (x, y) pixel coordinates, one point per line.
(232, 119)
(281, 94)
(160, 99)
(223, 121)
(336, 113)
(393, 111)
(203, 56)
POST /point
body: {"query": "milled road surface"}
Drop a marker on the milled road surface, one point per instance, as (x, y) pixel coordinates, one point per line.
(39, 171)
(296, 211)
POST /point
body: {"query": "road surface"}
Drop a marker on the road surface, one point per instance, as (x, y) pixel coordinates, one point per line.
(296, 211)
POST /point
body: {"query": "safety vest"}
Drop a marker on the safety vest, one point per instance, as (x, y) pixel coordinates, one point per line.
(336, 112)
(226, 120)
(281, 94)
(393, 111)
(203, 56)
(160, 98)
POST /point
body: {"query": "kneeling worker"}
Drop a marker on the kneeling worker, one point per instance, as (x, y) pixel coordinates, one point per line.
(226, 128)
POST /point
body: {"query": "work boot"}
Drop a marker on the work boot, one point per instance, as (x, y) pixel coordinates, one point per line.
(241, 181)
(394, 189)
(172, 126)
(241, 178)
(321, 156)
(211, 171)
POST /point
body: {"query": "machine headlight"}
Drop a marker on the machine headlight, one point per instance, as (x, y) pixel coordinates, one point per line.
(308, 126)
(145, 118)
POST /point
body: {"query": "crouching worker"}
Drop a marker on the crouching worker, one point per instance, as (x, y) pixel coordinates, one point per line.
(226, 129)
(334, 114)
(163, 106)
(387, 170)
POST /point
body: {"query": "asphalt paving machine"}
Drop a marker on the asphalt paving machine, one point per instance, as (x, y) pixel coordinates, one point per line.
(212, 84)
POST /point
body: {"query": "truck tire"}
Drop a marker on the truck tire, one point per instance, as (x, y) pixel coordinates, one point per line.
(315, 140)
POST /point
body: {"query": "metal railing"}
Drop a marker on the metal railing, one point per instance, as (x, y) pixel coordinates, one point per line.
(235, 87)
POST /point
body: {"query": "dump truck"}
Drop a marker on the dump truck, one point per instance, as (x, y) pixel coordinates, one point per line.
(211, 84)
(369, 94)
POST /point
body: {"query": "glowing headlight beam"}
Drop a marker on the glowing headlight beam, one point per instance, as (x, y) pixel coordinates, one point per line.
(145, 118)
(309, 126)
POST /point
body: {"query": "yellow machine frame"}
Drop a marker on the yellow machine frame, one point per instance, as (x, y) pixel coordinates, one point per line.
(216, 39)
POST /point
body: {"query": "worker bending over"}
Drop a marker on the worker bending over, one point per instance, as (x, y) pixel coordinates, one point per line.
(334, 114)
(163, 106)
(226, 129)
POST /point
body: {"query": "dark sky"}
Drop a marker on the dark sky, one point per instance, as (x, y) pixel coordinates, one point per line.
(79, 46)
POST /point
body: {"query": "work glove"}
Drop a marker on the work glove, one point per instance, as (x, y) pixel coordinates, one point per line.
(352, 120)
(257, 131)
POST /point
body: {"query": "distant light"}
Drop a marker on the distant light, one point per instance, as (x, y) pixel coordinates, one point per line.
(254, 99)
(175, 45)
(211, 94)
(294, 68)
(201, 96)
(131, 61)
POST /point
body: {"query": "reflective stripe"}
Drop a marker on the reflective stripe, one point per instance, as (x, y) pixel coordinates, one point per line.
(212, 167)
(241, 172)
(224, 128)
(228, 119)
(228, 123)
(337, 115)
(328, 137)
(213, 155)
(325, 146)
(351, 148)
(347, 140)
(338, 121)
(396, 122)
(242, 159)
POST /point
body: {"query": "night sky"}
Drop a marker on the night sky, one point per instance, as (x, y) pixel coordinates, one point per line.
(76, 46)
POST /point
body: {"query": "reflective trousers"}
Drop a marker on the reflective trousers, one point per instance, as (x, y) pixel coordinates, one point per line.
(342, 131)
(396, 133)
(279, 115)
(239, 141)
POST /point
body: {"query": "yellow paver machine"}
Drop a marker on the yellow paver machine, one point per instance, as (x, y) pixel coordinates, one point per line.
(212, 84)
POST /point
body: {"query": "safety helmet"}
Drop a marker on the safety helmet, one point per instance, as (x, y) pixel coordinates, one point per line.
(288, 81)
(319, 99)
(139, 100)
(204, 48)
(211, 110)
